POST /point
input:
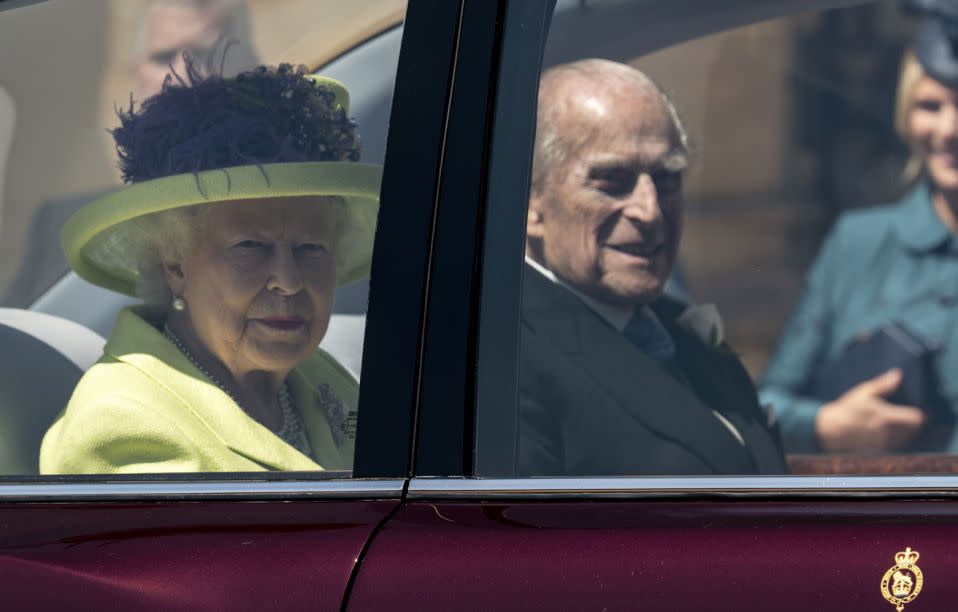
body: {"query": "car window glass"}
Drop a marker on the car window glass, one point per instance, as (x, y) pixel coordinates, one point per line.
(739, 250)
(257, 239)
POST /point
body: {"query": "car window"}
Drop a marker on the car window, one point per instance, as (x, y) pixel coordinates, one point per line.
(737, 257)
(188, 197)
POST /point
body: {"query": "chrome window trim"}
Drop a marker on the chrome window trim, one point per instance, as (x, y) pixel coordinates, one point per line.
(692, 486)
(201, 490)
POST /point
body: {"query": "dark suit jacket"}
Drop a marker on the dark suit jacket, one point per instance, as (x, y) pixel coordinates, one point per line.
(591, 403)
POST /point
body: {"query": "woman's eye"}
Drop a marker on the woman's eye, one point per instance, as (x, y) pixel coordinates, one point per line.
(929, 106)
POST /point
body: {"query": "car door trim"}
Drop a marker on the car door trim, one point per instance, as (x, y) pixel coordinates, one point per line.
(202, 490)
(399, 282)
(692, 486)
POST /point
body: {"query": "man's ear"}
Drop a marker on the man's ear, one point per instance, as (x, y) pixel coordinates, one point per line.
(534, 229)
(173, 271)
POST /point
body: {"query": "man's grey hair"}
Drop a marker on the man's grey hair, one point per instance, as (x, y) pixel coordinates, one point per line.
(552, 146)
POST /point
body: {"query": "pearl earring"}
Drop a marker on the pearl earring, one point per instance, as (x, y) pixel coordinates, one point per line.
(179, 304)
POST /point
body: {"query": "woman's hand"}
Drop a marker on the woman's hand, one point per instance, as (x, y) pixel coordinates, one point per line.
(862, 421)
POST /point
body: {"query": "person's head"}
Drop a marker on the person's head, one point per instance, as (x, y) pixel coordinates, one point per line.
(605, 211)
(257, 278)
(256, 274)
(926, 119)
(168, 28)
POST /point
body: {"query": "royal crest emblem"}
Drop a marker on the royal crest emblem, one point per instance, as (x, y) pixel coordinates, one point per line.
(902, 582)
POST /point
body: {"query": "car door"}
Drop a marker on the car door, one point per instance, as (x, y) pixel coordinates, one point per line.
(241, 541)
(474, 535)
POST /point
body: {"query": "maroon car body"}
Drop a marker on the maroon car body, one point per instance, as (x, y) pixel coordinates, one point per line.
(655, 555)
(184, 556)
(546, 553)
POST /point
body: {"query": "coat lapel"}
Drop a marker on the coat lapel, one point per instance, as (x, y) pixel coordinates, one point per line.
(145, 348)
(725, 386)
(638, 384)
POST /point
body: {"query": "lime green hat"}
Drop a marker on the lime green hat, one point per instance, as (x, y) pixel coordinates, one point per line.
(99, 249)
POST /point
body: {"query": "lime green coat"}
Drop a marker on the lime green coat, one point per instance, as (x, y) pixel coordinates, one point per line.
(144, 407)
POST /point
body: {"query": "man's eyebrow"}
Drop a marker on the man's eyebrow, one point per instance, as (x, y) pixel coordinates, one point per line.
(673, 161)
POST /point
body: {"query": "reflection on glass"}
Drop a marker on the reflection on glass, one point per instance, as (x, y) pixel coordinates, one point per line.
(163, 31)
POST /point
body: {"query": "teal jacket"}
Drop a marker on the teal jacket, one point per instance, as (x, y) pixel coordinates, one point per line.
(896, 262)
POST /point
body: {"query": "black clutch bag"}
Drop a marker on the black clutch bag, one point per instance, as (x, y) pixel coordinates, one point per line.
(890, 346)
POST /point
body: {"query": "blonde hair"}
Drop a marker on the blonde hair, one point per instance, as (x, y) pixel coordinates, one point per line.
(909, 77)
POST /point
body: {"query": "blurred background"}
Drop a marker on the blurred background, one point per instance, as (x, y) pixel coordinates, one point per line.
(792, 122)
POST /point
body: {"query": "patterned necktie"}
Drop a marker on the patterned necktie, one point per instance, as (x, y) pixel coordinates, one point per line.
(646, 332)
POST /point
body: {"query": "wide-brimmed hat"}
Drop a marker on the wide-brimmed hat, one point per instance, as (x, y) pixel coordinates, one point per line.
(99, 248)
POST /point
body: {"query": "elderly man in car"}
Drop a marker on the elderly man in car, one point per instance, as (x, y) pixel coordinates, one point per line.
(615, 378)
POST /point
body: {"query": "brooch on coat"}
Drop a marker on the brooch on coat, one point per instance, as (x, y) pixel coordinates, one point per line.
(341, 425)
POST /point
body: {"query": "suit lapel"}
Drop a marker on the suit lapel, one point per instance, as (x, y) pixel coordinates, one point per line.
(724, 385)
(714, 373)
(637, 383)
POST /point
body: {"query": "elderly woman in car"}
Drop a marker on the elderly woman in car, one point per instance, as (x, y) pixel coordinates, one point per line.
(246, 207)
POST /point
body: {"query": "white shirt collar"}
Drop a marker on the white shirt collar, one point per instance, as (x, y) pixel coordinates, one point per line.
(616, 316)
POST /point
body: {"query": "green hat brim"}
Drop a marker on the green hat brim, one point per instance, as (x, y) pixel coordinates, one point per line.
(99, 250)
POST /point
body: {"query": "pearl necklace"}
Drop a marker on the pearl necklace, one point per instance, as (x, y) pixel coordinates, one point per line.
(292, 432)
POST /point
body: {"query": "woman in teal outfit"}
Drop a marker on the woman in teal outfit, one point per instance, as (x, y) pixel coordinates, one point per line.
(896, 263)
